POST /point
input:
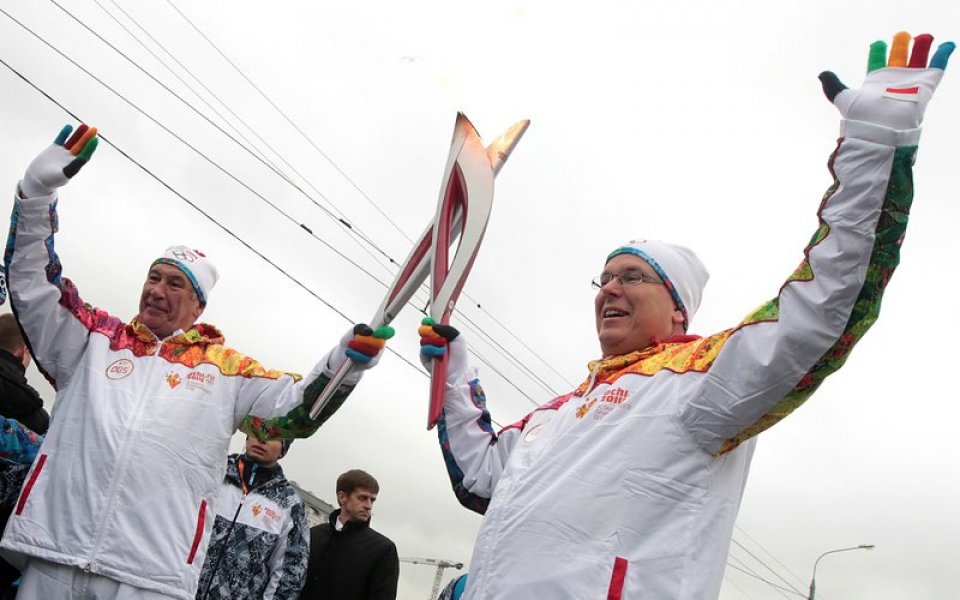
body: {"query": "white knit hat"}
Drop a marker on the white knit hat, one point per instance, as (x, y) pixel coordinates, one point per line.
(195, 265)
(679, 268)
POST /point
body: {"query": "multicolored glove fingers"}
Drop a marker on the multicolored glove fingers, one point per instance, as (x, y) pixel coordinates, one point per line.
(435, 337)
(81, 144)
(367, 342)
(877, 59)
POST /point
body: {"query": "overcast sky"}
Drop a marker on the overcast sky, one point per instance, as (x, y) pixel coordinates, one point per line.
(696, 122)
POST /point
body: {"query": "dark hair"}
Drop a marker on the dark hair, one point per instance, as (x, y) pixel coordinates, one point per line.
(355, 479)
(11, 339)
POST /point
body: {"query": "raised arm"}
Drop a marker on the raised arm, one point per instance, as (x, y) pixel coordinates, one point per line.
(53, 317)
(781, 353)
(475, 455)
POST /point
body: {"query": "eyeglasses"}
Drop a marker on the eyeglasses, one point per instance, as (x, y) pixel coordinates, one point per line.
(625, 278)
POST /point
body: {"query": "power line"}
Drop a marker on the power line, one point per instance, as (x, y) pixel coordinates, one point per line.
(289, 120)
(771, 555)
(766, 566)
(776, 587)
(186, 84)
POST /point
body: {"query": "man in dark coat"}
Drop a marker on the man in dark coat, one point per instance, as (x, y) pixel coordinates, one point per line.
(17, 399)
(348, 559)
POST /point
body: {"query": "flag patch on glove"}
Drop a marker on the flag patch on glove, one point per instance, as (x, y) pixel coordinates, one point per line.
(909, 94)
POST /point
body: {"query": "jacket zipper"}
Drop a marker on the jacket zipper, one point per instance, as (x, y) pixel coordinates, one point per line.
(90, 566)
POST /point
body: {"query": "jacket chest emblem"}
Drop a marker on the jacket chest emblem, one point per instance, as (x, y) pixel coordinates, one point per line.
(605, 404)
(119, 369)
(173, 379)
(194, 380)
(198, 380)
(268, 513)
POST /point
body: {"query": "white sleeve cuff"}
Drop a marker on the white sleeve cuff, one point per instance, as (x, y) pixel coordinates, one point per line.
(879, 134)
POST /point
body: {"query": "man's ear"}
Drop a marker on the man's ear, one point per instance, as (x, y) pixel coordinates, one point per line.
(341, 498)
(23, 355)
(676, 319)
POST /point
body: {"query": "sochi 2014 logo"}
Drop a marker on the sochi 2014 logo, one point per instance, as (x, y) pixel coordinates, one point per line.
(173, 380)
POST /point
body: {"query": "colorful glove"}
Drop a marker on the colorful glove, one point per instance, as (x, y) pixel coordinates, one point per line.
(434, 338)
(54, 167)
(442, 342)
(365, 344)
(895, 92)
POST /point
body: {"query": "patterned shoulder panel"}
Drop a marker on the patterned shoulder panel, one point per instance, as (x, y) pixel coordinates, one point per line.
(229, 361)
(695, 356)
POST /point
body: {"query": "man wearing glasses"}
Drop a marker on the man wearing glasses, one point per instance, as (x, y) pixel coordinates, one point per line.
(629, 486)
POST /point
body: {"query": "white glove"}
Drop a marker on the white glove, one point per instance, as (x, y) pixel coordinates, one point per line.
(895, 92)
(54, 167)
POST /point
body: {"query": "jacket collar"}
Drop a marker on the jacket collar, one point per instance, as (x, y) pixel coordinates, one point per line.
(604, 367)
(200, 333)
(349, 525)
(233, 474)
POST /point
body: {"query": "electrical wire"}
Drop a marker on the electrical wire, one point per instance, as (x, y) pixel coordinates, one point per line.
(289, 120)
(776, 587)
(766, 566)
(771, 555)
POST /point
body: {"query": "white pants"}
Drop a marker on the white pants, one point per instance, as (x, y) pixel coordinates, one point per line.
(44, 580)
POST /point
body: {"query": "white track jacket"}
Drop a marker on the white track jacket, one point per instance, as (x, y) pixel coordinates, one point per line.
(136, 452)
(628, 488)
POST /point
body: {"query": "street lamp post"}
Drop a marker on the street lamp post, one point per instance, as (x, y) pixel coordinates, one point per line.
(813, 580)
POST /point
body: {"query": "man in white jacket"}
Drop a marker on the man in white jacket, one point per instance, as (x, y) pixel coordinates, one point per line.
(118, 502)
(629, 486)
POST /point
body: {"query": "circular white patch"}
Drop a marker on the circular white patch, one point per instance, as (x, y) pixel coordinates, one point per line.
(120, 368)
(533, 434)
